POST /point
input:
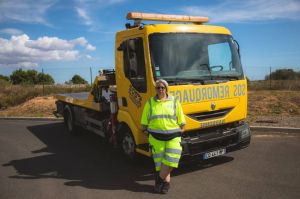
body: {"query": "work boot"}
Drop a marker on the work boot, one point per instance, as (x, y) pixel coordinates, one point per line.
(158, 184)
(165, 187)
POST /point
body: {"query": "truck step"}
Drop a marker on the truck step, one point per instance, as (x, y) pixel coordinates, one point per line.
(97, 131)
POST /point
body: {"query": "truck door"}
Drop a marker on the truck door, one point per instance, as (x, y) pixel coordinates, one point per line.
(133, 88)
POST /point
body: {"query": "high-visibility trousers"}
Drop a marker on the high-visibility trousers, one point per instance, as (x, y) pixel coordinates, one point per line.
(165, 152)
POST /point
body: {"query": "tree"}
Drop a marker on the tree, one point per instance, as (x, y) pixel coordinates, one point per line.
(18, 77)
(5, 78)
(44, 79)
(283, 74)
(30, 77)
(77, 79)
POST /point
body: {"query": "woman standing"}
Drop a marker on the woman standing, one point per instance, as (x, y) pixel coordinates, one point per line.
(163, 119)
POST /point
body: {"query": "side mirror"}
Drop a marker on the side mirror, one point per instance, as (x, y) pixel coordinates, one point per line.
(122, 47)
(130, 44)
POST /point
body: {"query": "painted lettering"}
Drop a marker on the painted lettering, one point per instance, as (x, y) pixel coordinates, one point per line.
(227, 91)
(198, 95)
(179, 96)
(204, 97)
(215, 92)
(221, 92)
(185, 98)
(192, 96)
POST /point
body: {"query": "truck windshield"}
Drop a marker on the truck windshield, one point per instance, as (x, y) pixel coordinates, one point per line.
(184, 57)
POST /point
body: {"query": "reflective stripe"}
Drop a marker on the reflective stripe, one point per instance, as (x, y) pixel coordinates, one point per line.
(164, 131)
(170, 159)
(162, 116)
(173, 117)
(158, 155)
(157, 164)
(174, 151)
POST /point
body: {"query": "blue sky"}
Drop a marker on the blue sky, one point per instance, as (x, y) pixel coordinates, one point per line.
(72, 36)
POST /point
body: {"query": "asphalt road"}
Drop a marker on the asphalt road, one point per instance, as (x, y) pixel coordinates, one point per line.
(38, 159)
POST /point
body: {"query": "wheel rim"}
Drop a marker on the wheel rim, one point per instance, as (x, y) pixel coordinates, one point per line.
(128, 145)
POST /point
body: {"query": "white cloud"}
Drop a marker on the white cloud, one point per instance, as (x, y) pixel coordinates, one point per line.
(84, 16)
(21, 51)
(81, 41)
(85, 9)
(88, 56)
(90, 47)
(100, 3)
(11, 31)
(246, 11)
(29, 11)
(49, 43)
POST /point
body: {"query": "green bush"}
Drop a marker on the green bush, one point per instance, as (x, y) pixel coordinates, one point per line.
(30, 77)
(77, 79)
(4, 78)
(283, 74)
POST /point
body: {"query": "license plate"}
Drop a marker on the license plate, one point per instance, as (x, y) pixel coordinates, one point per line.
(215, 153)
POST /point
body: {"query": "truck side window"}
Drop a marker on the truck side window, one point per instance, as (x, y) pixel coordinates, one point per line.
(134, 64)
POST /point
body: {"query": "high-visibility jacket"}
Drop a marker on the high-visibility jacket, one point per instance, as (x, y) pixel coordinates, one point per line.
(163, 119)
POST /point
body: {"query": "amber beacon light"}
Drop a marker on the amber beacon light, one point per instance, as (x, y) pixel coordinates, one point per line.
(164, 17)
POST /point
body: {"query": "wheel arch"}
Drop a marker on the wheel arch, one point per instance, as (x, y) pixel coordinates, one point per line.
(126, 121)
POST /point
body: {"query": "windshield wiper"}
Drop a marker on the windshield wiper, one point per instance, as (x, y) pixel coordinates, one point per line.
(192, 80)
(225, 77)
(178, 81)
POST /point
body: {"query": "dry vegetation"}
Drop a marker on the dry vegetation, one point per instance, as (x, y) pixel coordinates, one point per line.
(285, 103)
(13, 95)
(36, 107)
(275, 108)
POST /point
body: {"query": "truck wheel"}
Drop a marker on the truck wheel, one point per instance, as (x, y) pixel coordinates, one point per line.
(128, 145)
(69, 122)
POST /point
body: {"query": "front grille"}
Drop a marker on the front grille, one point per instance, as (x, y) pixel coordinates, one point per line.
(210, 114)
(203, 140)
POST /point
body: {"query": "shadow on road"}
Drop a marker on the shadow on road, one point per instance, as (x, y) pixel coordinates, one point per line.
(87, 161)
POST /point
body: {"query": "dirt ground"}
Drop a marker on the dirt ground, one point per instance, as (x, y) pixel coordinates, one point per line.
(36, 107)
(274, 108)
(265, 108)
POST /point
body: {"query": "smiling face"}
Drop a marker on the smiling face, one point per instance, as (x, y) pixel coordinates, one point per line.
(161, 90)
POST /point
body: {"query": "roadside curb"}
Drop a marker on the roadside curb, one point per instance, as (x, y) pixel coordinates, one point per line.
(32, 118)
(274, 129)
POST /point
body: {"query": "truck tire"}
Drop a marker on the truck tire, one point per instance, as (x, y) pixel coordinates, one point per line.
(69, 121)
(128, 145)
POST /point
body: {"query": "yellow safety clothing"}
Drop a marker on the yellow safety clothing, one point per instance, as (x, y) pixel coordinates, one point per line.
(164, 120)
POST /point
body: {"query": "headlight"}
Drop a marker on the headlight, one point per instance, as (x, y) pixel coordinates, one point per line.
(244, 133)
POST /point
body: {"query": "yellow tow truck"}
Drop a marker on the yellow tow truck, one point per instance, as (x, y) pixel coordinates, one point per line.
(202, 66)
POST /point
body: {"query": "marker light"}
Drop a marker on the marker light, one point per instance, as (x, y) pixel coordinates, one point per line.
(163, 17)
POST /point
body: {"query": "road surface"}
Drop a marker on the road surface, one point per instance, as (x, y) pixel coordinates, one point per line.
(38, 159)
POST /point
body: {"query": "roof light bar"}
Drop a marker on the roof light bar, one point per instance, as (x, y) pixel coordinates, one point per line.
(138, 16)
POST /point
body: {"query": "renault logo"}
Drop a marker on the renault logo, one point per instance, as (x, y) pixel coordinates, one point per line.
(213, 105)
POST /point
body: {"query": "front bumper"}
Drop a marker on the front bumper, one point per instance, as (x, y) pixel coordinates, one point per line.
(230, 137)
